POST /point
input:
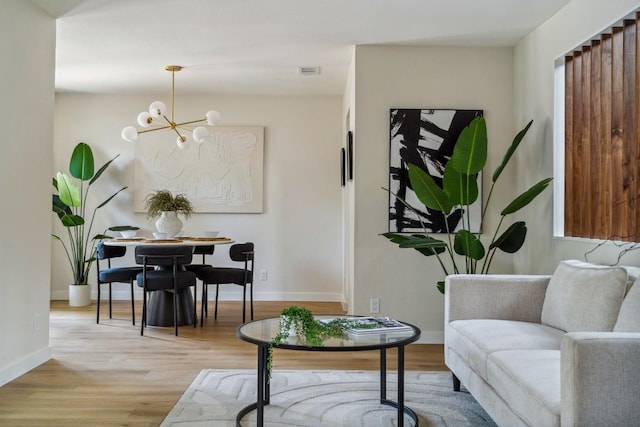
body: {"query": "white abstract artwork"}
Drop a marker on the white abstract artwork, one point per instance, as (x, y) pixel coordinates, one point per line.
(222, 174)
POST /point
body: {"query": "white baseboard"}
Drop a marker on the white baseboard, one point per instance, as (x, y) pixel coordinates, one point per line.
(24, 365)
(230, 295)
(431, 337)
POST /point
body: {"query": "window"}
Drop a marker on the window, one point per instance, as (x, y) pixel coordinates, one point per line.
(602, 135)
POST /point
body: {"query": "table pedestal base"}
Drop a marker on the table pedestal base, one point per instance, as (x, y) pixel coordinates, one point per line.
(160, 308)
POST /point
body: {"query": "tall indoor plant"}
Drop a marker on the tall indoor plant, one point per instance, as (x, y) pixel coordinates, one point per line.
(459, 190)
(70, 204)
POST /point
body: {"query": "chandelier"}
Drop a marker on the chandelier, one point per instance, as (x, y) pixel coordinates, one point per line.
(156, 119)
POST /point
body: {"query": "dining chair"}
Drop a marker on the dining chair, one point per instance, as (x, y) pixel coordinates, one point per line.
(242, 276)
(200, 250)
(169, 276)
(204, 251)
(111, 275)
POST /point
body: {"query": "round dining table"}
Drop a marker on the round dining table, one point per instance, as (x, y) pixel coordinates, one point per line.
(160, 304)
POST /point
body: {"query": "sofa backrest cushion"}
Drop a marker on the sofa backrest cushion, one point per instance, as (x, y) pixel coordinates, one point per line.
(633, 273)
(584, 297)
(629, 317)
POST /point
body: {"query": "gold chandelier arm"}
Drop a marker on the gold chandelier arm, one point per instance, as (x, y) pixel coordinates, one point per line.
(191, 122)
(169, 122)
(182, 138)
(173, 91)
(158, 128)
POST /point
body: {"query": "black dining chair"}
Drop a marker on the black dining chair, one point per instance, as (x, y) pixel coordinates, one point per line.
(168, 276)
(242, 276)
(111, 275)
(204, 251)
(200, 250)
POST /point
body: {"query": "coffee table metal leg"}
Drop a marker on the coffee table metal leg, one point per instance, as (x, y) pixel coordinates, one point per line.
(401, 386)
(262, 389)
(383, 375)
(266, 376)
(399, 403)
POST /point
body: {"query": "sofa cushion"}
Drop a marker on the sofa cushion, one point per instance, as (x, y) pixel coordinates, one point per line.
(629, 317)
(530, 381)
(633, 273)
(584, 297)
(473, 340)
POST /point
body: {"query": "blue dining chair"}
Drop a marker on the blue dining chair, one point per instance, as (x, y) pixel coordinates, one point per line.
(111, 275)
(170, 276)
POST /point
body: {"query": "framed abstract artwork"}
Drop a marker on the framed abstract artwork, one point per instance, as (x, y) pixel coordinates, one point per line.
(222, 174)
(425, 138)
(343, 168)
(350, 155)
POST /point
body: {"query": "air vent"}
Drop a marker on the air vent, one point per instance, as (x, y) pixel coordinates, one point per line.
(309, 71)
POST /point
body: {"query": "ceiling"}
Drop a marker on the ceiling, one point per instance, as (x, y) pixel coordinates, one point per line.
(256, 46)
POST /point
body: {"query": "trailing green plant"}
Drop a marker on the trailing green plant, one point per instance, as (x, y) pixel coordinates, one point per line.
(70, 204)
(308, 328)
(459, 191)
(305, 326)
(163, 200)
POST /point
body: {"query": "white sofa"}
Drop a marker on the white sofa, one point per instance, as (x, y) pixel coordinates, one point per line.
(559, 350)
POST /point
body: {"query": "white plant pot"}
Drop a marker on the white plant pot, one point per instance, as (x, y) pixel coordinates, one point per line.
(79, 295)
(169, 223)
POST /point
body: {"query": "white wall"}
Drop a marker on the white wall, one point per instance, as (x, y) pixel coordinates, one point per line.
(533, 75)
(298, 238)
(418, 77)
(27, 45)
(348, 216)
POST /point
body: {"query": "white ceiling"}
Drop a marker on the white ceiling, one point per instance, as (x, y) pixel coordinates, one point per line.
(256, 46)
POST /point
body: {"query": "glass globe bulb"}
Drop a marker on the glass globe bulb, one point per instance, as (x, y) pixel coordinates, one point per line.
(145, 119)
(181, 142)
(200, 134)
(157, 109)
(213, 117)
(130, 134)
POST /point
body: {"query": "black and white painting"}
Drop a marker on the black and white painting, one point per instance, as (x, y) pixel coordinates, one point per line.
(426, 139)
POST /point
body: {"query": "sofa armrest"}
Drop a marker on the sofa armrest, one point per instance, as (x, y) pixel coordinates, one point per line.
(600, 379)
(495, 296)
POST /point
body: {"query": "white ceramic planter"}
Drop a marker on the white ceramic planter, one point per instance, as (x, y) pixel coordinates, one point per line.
(169, 223)
(79, 295)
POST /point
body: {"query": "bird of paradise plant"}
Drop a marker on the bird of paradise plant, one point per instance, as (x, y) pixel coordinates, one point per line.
(70, 204)
(460, 190)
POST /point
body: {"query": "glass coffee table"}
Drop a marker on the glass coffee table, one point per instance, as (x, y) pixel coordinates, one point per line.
(261, 332)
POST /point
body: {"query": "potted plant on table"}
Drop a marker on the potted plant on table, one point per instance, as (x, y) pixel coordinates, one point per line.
(70, 204)
(459, 190)
(164, 206)
(299, 322)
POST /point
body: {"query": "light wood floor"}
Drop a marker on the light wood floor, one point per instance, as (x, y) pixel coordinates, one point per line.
(108, 375)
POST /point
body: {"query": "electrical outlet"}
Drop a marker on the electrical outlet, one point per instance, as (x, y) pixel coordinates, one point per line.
(374, 305)
(36, 322)
(263, 274)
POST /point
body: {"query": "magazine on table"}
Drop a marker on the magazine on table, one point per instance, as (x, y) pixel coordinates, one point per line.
(370, 325)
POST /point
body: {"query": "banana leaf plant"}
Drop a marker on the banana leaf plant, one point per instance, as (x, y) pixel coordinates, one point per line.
(459, 191)
(70, 204)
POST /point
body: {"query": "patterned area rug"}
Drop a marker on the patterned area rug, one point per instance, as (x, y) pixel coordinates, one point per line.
(323, 398)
